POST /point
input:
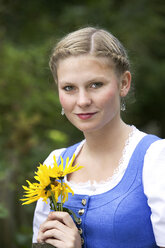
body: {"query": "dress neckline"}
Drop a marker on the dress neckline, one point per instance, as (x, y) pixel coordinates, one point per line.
(117, 172)
(133, 171)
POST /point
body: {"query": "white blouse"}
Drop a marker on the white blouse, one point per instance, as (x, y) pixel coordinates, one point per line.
(153, 181)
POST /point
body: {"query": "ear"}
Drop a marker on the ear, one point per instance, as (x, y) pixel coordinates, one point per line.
(125, 83)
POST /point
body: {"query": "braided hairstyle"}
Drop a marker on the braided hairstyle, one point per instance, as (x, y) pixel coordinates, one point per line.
(92, 41)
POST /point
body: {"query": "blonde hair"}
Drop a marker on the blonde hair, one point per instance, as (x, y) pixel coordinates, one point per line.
(93, 41)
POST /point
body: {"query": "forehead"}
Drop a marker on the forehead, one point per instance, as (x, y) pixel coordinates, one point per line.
(87, 58)
(83, 65)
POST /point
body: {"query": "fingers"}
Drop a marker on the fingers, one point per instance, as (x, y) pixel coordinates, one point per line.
(55, 243)
(59, 230)
(51, 229)
(63, 217)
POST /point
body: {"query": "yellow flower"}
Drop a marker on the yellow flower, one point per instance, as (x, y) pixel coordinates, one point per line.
(43, 175)
(35, 191)
(47, 185)
(62, 189)
(56, 190)
(58, 171)
(65, 190)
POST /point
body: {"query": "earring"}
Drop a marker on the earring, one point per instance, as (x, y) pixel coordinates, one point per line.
(62, 111)
(123, 105)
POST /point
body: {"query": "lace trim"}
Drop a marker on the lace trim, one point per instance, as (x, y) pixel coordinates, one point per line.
(123, 165)
(117, 172)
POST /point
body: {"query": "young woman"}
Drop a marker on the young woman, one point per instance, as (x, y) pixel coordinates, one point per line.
(120, 192)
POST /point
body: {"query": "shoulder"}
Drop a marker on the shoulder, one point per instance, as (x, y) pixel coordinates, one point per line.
(154, 186)
(154, 163)
(49, 160)
(156, 150)
(157, 147)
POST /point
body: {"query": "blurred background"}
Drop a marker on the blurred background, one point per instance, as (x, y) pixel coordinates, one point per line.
(31, 125)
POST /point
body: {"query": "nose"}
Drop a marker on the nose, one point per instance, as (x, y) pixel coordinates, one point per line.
(83, 99)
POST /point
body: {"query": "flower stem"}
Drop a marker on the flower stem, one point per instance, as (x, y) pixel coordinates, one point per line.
(61, 205)
(54, 200)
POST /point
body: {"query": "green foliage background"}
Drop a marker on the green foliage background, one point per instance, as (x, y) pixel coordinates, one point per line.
(30, 122)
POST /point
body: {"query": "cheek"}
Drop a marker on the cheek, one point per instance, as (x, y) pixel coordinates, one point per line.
(109, 98)
(65, 100)
(62, 99)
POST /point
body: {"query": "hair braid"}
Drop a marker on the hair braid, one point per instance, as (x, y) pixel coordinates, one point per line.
(93, 41)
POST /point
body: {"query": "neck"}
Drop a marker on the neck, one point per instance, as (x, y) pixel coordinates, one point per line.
(107, 140)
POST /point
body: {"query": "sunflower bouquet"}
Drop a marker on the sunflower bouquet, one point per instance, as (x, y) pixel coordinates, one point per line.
(51, 185)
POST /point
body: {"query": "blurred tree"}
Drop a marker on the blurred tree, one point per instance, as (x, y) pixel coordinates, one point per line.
(30, 121)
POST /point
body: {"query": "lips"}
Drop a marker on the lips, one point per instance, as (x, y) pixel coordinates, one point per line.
(85, 116)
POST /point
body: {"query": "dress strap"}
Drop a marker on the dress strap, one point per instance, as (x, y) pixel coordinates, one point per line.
(68, 152)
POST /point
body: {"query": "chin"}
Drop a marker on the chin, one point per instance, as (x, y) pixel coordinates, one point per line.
(88, 128)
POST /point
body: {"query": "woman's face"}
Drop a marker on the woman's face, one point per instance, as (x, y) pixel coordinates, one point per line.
(89, 92)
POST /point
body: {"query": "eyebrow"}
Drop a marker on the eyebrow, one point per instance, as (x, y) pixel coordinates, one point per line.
(95, 79)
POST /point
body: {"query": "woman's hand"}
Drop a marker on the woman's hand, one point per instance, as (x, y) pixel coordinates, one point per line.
(59, 230)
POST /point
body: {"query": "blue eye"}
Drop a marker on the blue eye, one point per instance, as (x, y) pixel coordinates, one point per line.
(68, 88)
(96, 85)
